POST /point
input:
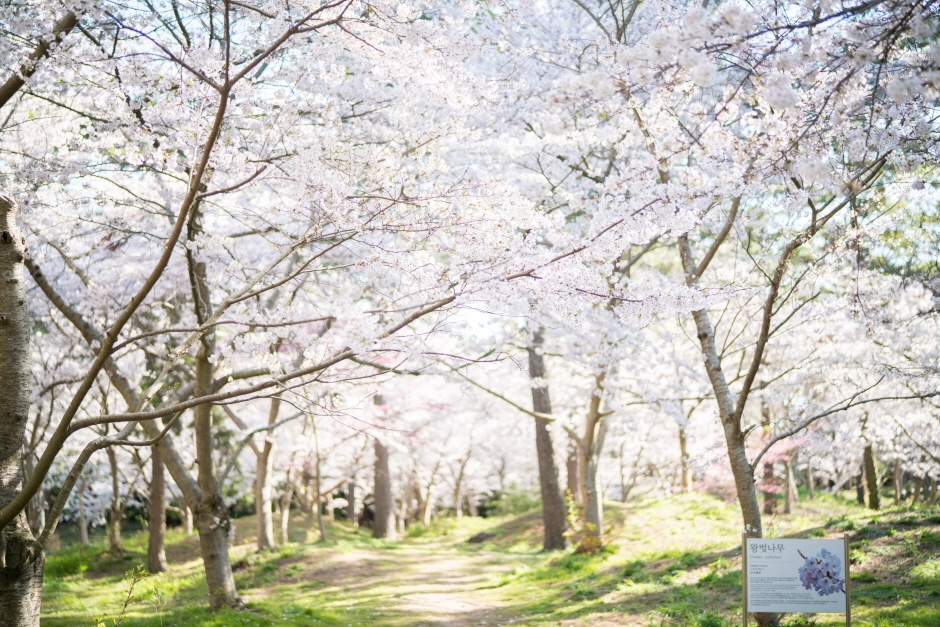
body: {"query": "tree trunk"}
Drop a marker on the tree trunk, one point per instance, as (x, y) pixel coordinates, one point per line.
(286, 499)
(264, 469)
(788, 496)
(770, 498)
(21, 557)
(860, 487)
(187, 520)
(211, 514)
(684, 466)
(82, 520)
(589, 453)
(871, 478)
(36, 510)
(741, 467)
(156, 553)
(427, 505)
(572, 482)
(554, 512)
(383, 525)
(810, 479)
(351, 505)
(897, 481)
(116, 512)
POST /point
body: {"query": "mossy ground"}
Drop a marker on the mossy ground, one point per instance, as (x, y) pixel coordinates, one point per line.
(669, 562)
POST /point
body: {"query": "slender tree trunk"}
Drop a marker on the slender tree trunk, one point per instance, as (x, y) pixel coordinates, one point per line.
(427, 505)
(554, 516)
(264, 469)
(917, 488)
(82, 520)
(286, 499)
(860, 487)
(589, 453)
(741, 467)
(897, 481)
(810, 479)
(383, 525)
(116, 512)
(788, 497)
(156, 553)
(352, 505)
(770, 498)
(871, 478)
(36, 510)
(21, 558)
(211, 514)
(572, 482)
(684, 466)
(187, 520)
(285, 513)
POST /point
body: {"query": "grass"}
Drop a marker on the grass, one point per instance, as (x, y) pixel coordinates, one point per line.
(668, 562)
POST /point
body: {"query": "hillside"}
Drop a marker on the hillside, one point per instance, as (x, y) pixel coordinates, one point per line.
(670, 562)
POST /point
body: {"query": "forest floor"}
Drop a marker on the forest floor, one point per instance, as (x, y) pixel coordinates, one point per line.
(669, 562)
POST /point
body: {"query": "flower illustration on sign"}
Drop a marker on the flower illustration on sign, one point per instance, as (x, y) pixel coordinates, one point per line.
(822, 573)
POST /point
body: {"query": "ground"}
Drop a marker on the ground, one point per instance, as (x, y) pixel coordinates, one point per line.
(669, 562)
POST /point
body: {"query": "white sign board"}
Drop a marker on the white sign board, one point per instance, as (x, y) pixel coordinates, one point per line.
(795, 575)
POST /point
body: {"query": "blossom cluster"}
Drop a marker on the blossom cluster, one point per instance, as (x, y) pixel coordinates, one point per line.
(822, 573)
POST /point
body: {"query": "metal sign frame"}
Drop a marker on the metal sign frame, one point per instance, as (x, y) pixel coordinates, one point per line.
(848, 579)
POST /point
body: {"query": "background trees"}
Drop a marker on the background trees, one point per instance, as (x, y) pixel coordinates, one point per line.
(289, 252)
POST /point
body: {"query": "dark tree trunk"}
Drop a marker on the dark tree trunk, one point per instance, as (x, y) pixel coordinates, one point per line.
(156, 552)
(860, 488)
(351, 505)
(21, 557)
(770, 498)
(871, 478)
(896, 481)
(383, 526)
(211, 514)
(553, 501)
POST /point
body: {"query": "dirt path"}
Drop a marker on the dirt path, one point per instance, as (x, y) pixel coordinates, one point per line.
(426, 585)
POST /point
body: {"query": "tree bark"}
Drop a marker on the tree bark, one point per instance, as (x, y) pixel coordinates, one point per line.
(728, 413)
(263, 474)
(286, 499)
(572, 481)
(383, 525)
(684, 466)
(789, 495)
(21, 558)
(590, 446)
(860, 486)
(770, 497)
(351, 505)
(156, 551)
(553, 501)
(810, 479)
(211, 514)
(897, 480)
(116, 512)
(82, 520)
(871, 478)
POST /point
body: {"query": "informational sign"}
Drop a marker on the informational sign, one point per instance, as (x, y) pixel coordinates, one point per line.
(783, 575)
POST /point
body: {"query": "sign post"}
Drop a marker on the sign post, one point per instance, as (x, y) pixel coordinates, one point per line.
(787, 575)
